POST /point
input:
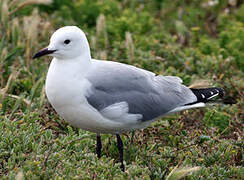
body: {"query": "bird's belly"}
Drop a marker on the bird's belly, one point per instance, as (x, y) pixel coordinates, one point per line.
(81, 117)
(87, 118)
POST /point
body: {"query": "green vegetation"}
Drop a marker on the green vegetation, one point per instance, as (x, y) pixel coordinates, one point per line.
(195, 40)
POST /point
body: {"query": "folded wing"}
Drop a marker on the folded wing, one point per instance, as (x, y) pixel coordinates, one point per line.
(146, 95)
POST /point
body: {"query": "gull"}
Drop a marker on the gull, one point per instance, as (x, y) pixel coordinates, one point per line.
(110, 97)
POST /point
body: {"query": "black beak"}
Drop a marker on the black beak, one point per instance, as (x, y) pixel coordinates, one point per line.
(43, 52)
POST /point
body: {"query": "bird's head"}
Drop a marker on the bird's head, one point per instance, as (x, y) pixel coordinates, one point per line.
(66, 43)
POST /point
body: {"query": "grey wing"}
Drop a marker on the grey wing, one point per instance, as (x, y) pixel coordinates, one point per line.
(115, 86)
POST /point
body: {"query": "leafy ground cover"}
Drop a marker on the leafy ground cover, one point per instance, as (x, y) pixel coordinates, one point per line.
(199, 41)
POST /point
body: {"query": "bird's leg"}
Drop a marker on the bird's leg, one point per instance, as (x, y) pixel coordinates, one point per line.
(120, 147)
(132, 137)
(99, 146)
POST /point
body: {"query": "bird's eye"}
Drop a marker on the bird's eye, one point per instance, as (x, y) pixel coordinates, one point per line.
(67, 41)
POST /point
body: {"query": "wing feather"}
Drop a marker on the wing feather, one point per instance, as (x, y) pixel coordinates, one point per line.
(146, 94)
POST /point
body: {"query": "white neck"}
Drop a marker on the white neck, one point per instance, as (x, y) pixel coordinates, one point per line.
(66, 67)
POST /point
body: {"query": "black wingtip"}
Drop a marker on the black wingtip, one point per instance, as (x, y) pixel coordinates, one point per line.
(206, 94)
